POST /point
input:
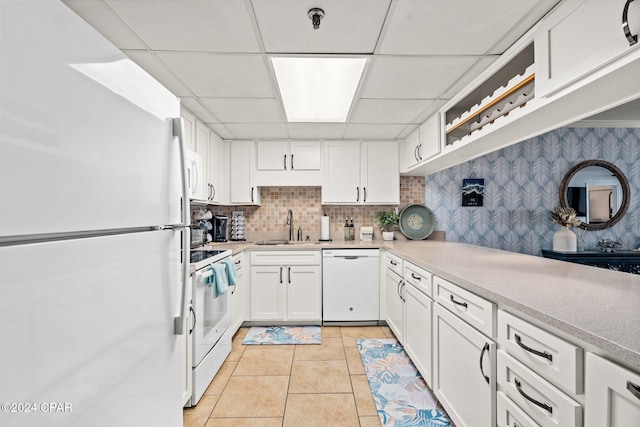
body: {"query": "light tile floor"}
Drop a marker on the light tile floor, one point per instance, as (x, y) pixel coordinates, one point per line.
(291, 385)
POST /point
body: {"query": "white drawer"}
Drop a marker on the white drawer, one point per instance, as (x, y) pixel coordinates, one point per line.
(510, 414)
(394, 263)
(555, 359)
(418, 277)
(543, 402)
(285, 258)
(476, 311)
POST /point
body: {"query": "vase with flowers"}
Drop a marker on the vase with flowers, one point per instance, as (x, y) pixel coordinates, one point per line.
(564, 240)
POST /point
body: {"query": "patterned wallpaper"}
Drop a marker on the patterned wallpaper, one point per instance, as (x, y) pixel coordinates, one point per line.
(268, 221)
(521, 187)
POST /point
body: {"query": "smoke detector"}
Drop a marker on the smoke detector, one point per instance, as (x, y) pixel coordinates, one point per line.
(316, 14)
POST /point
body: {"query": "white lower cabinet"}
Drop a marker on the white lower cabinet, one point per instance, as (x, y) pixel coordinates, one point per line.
(239, 295)
(612, 394)
(417, 330)
(286, 286)
(538, 398)
(510, 415)
(463, 371)
(394, 303)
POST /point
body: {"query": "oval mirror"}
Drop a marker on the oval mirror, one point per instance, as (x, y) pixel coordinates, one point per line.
(598, 191)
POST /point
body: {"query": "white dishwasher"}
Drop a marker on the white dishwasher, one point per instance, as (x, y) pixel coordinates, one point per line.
(350, 285)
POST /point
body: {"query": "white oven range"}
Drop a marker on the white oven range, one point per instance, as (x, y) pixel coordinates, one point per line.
(209, 322)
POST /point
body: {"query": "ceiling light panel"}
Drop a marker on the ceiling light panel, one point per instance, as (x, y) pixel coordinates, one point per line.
(317, 89)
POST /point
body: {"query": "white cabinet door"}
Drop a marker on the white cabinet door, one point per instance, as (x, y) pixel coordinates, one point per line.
(394, 303)
(430, 138)
(216, 159)
(464, 362)
(239, 296)
(380, 179)
(409, 151)
(612, 394)
(580, 37)
(243, 164)
(189, 123)
(304, 293)
(304, 156)
(273, 155)
(341, 172)
(417, 330)
(267, 293)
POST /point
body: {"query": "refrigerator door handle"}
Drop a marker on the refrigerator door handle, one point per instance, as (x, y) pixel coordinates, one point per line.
(178, 321)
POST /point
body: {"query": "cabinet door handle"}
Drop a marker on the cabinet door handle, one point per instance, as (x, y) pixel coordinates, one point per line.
(285, 162)
(213, 196)
(404, 285)
(280, 274)
(634, 389)
(484, 349)
(364, 190)
(420, 151)
(413, 276)
(533, 351)
(289, 274)
(544, 406)
(234, 290)
(632, 39)
(453, 300)
(398, 289)
(251, 194)
(292, 162)
(357, 194)
(415, 153)
(193, 326)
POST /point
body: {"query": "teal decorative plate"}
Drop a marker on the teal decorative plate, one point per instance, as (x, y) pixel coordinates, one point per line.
(417, 222)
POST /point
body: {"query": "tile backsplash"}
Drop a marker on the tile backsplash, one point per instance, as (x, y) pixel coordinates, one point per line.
(268, 221)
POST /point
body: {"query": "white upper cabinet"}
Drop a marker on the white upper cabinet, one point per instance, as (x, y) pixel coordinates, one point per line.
(287, 163)
(217, 169)
(422, 144)
(360, 173)
(581, 37)
(243, 188)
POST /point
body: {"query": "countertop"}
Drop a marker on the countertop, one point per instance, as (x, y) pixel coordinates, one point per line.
(595, 305)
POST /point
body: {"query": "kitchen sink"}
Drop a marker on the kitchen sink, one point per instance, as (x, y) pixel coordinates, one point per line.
(285, 242)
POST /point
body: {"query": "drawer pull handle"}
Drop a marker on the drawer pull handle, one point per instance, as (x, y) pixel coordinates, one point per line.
(453, 300)
(634, 389)
(632, 39)
(392, 262)
(544, 354)
(485, 348)
(413, 276)
(544, 406)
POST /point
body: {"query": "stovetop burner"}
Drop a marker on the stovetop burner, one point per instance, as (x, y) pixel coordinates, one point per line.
(197, 256)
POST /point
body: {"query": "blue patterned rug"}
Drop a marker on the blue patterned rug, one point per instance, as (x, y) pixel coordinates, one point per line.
(399, 392)
(284, 335)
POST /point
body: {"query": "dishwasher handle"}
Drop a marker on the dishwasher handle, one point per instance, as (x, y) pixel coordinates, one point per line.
(349, 256)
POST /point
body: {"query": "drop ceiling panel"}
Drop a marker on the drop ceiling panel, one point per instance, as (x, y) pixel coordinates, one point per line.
(373, 131)
(460, 27)
(348, 26)
(413, 77)
(258, 131)
(196, 108)
(388, 110)
(245, 110)
(103, 19)
(191, 25)
(470, 74)
(221, 76)
(152, 65)
(316, 130)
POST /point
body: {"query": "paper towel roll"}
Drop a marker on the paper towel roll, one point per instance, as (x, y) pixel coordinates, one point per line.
(324, 227)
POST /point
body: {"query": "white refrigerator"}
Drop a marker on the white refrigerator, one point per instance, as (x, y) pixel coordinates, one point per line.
(91, 229)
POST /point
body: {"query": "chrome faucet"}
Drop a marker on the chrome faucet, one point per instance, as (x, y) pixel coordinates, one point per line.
(290, 224)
